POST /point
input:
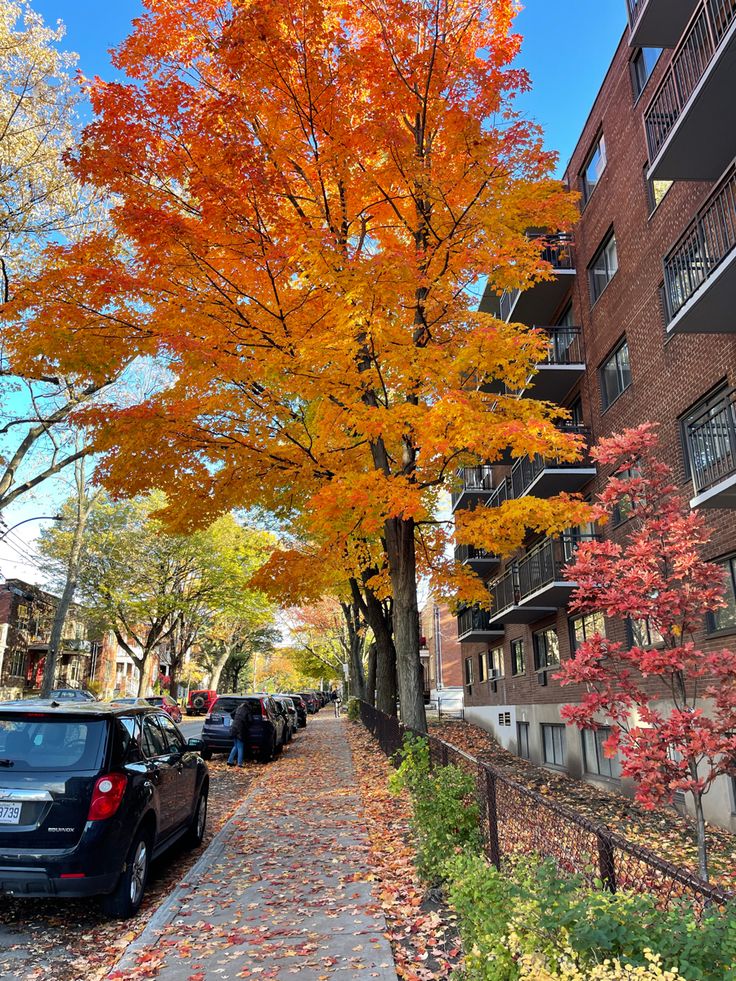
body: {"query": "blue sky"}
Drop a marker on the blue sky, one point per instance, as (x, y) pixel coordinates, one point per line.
(568, 45)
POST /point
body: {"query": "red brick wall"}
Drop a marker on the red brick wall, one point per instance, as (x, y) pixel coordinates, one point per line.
(669, 374)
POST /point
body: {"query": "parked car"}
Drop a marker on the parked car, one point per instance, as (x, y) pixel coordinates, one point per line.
(312, 701)
(291, 716)
(90, 794)
(266, 730)
(72, 695)
(200, 702)
(301, 709)
(168, 704)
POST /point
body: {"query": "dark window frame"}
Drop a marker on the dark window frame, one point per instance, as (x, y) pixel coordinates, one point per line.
(711, 623)
(521, 743)
(586, 188)
(545, 664)
(599, 736)
(469, 672)
(601, 251)
(582, 617)
(606, 400)
(713, 395)
(639, 80)
(498, 649)
(652, 202)
(559, 729)
(518, 665)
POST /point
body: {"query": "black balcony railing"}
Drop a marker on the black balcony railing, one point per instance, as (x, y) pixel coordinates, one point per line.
(525, 471)
(474, 480)
(711, 444)
(505, 591)
(546, 563)
(473, 620)
(501, 494)
(635, 8)
(557, 250)
(689, 63)
(565, 345)
(469, 553)
(707, 241)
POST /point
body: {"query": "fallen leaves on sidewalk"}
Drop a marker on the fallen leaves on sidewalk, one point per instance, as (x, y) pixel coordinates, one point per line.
(421, 928)
(663, 831)
(70, 940)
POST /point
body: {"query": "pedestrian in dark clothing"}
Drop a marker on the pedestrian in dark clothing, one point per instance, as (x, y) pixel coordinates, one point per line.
(338, 702)
(239, 729)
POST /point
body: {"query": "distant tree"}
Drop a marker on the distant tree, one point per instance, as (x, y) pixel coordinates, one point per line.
(671, 705)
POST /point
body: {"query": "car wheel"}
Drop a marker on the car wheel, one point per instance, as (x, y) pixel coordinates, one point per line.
(195, 834)
(267, 754)
(127, 896)
(206, 754)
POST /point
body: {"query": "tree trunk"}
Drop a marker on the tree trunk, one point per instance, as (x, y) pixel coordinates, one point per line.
(84, 507)
(700, 828)
(218, 668)
(380, 622)
(400, 551)
(142, 665)
(370, 685)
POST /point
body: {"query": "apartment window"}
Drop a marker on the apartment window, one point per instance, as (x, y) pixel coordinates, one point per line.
(625, 508)
(603, 267)
(468, 672)
(18, 664)
(725, 618)
(584, 627)
(522, 740)
(553, 743)
(643, 634)
(656, 190)
(546, 649)
(642, 66)
(706, 432)
(518, 658)
(615, 374)
(496, 656)
(482, 667)
(595, 759)
(593, 168)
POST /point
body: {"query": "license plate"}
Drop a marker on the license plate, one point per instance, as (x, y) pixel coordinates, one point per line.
(227, 721)
(10, 813)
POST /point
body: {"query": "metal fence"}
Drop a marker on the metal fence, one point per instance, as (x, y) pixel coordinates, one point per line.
(519, 821)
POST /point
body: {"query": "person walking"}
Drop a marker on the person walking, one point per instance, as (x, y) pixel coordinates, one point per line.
(239, 729)
(337, 702)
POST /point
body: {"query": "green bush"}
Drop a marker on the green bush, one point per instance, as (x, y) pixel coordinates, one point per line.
(560, 918)
(445, 812)
(353, 710)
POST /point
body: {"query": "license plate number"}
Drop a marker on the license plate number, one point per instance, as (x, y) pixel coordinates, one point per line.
(10, 813)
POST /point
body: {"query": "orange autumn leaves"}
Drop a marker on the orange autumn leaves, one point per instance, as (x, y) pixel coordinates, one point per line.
(306, 198)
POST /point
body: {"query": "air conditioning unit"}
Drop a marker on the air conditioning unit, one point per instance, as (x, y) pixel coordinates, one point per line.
(494, 686)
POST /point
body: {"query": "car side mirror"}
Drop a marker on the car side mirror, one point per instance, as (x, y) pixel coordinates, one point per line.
(196, 745)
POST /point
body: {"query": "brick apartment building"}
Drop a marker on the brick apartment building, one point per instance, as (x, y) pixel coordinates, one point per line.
(442, 655)
(86, 655)
(643, 327)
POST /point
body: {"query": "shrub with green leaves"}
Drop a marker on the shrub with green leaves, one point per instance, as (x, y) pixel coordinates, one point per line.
(353, 710)
(446, 817)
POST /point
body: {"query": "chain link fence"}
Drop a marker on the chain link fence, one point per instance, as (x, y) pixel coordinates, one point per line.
(519, 821)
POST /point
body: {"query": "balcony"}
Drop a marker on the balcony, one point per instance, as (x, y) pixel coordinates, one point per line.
(541, 476)
(711, 450)
(700, 271)
(688, 121)
(506, 601)
(478, 559)
(563, 366)
(540, 302)
(477, 485)
(542, 576)
(658, 23)
(475, 626)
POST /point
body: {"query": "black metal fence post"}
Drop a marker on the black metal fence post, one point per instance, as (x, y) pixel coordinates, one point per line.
(606, 861)
(493, 843)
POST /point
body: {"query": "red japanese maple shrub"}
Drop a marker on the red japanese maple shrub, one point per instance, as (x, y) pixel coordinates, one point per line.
(670, 704)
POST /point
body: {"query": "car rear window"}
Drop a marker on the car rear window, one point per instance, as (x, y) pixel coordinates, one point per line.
(155, 700)
(37, 743)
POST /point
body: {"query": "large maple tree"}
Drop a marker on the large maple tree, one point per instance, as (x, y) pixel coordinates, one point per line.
(307, 196)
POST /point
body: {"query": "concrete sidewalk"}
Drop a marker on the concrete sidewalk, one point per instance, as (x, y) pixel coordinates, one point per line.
(284, 889)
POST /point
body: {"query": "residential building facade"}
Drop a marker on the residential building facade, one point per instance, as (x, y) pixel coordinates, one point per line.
(443, 660)
(641, 317)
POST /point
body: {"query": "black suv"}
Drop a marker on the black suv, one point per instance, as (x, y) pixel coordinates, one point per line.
(89, 795)
(266, 729)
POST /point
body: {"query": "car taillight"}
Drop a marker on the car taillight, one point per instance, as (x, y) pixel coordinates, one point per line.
(106, 796)
(264, 713)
